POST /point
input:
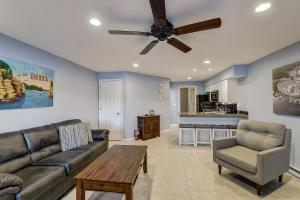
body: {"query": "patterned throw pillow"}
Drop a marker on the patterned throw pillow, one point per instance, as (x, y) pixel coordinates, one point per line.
(80, 132)
(89, 131)
(67, 137)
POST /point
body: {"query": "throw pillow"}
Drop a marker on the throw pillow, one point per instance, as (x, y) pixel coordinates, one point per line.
(80, 133)
(67, 138)
(89, 131)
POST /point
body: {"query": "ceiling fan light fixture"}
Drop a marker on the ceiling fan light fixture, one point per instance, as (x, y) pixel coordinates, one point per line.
(95, 22)
(263, 7)
(207, 62)
(136, 65)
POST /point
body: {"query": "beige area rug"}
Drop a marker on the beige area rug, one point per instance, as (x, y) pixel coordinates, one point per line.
(142, 191)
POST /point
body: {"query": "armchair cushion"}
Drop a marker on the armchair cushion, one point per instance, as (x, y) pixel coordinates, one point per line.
(260, 136)
(101, 134)
(10, 180)
(240, 157)
(222, 143)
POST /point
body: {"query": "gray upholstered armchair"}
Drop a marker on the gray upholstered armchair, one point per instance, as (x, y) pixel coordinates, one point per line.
(260, 152)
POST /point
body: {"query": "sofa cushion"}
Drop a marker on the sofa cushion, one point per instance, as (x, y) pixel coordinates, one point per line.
(97, 147)
(260, 136)
(40, 137)
(240, 157)
(70, 160)
(66, 123)
(14, 153)
(12, 145)
(38, 180)
(45, 152)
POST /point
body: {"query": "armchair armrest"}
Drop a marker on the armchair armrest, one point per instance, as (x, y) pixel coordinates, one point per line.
(100, 134)
(273, 162)
(223, 143)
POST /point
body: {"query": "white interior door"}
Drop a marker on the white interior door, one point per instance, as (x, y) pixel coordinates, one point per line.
(110, 107)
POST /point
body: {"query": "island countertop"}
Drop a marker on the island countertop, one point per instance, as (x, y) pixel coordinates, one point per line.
(214, 115)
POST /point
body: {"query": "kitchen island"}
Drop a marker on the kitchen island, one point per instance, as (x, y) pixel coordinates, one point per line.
(201, 128)
(211, 118)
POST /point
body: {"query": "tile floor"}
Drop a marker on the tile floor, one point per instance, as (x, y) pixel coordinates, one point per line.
(188, 173)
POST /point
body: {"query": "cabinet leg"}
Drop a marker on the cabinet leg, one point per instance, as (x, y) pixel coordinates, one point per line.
(280, 178)
(258, 189)
(220, 169)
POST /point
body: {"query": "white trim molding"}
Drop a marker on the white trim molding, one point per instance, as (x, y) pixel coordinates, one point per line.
(128, 139)
(174, 125)
(165, 130)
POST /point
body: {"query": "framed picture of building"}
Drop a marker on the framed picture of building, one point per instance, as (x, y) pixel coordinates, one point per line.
(286, 90)
(24, 85)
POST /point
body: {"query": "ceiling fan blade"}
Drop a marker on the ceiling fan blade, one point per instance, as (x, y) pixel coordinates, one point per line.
(159, 12)
(149, 47)
(179, 45)
(200, 26)
(118, 32)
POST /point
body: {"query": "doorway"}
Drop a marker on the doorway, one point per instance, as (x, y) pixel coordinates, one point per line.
(187, 100)
(110, 107)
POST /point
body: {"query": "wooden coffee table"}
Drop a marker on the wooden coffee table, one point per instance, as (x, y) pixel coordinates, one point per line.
(114, 171)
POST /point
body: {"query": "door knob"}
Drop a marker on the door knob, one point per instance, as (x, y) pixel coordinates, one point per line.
(118, 113)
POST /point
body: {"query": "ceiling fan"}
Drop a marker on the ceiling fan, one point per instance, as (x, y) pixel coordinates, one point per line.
(163, 30)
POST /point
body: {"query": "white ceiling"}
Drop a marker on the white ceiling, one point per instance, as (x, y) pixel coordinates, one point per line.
(62, 28)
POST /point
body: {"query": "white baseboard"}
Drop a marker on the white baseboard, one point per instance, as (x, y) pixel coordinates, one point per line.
(174, 125)
(165, 130)
(128, 139)
(295, 172)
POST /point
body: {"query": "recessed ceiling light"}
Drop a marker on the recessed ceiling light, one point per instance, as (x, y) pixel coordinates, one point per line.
(263, 7)
(189, 78)
(95, 22)
(194, 70)
(136, 65)
(210, 69)
(207, 62)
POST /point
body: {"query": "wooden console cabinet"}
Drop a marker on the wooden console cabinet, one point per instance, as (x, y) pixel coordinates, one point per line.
(149, 126)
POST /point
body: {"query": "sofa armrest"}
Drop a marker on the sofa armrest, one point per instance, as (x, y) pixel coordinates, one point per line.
(10, 180)
(223, 143)
(9, 192)
(100, 134)
(273, 162)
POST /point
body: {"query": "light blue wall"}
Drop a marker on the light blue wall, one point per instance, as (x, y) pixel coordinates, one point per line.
(236, 71)
(141, 94)
(75, 89)
(259, 87)
(174, 96)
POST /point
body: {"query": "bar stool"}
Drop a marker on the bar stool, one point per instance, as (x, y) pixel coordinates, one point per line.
(233, 130)
(187, 134)
(220, 131)
(203, 134)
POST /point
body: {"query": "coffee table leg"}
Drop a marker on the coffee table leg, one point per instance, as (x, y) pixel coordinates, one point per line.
(129, 192)
(80, 193)
(145, 167)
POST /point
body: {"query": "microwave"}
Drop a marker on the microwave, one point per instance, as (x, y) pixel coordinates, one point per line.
(214, 96)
